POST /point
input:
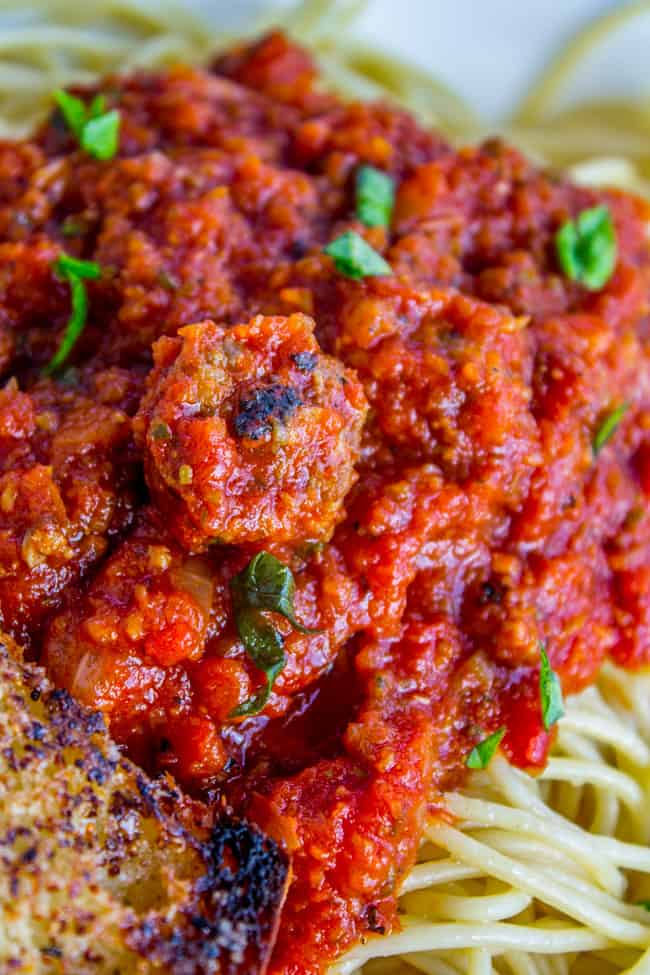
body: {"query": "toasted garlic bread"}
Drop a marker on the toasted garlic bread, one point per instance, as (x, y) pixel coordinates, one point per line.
(104, 871)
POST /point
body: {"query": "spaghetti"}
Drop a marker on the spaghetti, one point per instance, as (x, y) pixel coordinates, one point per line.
(539, 876)
(532, 877)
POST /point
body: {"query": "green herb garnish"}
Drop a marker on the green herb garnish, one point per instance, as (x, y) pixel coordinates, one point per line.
(161, 431)
(375, 197)
(644, 904)
(266, 584)
(75, 272)
(586, 248)
(481, 755)
(355, 258)
(67, 266)
(96, 130)
(265, 646)
(73, 111)
(550, 691)
(608, 427)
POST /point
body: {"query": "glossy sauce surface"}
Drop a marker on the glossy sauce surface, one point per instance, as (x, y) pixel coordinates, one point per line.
(417, 448)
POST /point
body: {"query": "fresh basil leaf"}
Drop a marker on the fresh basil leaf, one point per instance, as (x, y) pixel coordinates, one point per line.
(644, 904)
(96, 130)
(265, 646)
(101, 136)
(266, 583)
(481, 755)
(74, 327)
(72, 109)
(375, 197)
(97, 107)
(608, 427)
(253, 705)
(586, 248)
(74, 271)
(355, 258)
(71, 267)
(550, 691)
(264, 643)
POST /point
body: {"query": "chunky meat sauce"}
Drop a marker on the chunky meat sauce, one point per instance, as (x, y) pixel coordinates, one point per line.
(417, 448)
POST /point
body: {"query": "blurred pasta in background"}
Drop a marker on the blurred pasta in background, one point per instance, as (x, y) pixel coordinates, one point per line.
(48, 44)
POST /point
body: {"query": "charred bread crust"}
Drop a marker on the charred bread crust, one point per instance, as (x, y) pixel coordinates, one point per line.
(103, 870)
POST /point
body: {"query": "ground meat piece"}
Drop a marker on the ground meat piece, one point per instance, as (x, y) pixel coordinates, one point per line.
(242, 442)
(401, 523)
(273, 65)
(329, 136)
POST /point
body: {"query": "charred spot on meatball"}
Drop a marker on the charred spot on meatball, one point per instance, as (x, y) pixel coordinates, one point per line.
(305, 361)
(257, 409)
(250, 433)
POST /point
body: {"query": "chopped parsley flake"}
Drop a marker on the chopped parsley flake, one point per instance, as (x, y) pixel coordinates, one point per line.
(586, 248)
(74, 271)
(375, 197)
(160, 431)
(481, 755)
(608, 427)
(355, 258)
(96, 130)
(550, 691)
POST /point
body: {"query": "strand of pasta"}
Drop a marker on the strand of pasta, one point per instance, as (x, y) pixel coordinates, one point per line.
(546, 89)
(546, 863)
(554, 892)
(56, 43)
(624, 739)
(418, 937)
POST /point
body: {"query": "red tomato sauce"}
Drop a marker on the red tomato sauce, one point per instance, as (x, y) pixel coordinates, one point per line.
(417, 448)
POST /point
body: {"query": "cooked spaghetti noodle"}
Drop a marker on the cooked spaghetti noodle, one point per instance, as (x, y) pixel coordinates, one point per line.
(529, 877)
(540, 876)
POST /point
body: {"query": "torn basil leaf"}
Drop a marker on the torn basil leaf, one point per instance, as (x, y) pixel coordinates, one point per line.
(608, 427)
(96, 130)
(355, 258)
(266, 584)
(586, 248)
(550, 691)
(375, 197)
(481, 755)
(75, 272)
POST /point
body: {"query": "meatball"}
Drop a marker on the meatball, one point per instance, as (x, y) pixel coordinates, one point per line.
(250, 433)
(447, 378)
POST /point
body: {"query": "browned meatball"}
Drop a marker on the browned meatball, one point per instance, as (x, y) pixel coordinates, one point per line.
(250, 433)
